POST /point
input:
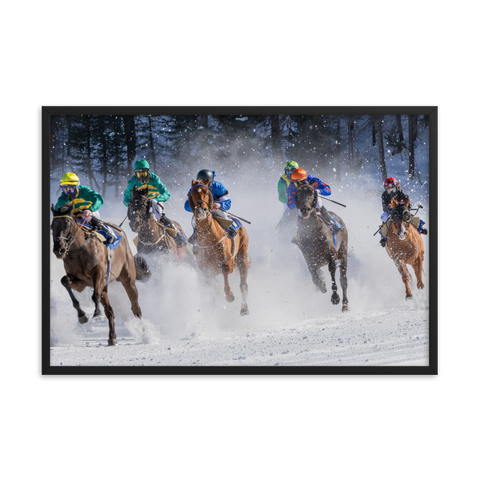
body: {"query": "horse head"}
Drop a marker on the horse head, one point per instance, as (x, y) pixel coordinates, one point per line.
(306, 200)
(200, 200)
(401, 215)
(139, 208)
(62, 229)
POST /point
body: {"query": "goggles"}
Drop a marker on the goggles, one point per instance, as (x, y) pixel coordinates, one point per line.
(390, 188)
(141, 173)
(69, 189)
(289, 171)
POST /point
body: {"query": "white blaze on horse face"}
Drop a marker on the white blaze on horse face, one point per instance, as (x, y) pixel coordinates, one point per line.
(402, 235)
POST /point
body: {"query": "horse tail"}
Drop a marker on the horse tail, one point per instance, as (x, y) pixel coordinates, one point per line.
(142, 271)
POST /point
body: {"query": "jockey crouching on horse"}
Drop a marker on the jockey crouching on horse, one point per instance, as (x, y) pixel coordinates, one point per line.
(299, 178)
(282, 188)
(391, 189)
(86, 204)
(157, 193)
(221, 200)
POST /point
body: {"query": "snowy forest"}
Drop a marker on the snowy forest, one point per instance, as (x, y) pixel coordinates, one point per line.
(101, 149)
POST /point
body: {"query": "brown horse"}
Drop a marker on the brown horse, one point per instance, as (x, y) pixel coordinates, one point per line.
(404, 243)
(86, 262)
(317, 244)
(153, 237)
(213, 248)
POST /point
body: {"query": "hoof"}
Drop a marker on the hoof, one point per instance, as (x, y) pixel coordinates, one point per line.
(244, 311)
(83, 320)
(409, 297)
(98, 318)
(322, 287)
(230, 298)
(345, 308)
(335, 299)
(112, 343)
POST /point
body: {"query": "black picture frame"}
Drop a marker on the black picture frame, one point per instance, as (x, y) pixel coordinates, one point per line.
(431, 369)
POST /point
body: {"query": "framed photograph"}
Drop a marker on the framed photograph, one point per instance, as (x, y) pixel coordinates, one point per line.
(239, 240)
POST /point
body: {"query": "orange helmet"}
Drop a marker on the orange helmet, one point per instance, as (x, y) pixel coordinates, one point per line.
(299, 174)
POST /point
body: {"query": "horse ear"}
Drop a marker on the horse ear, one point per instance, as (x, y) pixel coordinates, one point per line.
(53, 210)
(193, 183)
(210, 200)
(190, 203)
(393, 202)
(70, 208)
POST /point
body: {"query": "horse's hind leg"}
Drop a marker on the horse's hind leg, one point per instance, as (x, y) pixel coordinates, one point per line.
(332, 268)
(242, 263)
(112, 336)
(82, 317)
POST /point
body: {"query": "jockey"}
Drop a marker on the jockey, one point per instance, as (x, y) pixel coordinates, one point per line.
(221, 200)
(391, 189)
(285, 181)
(300, 177)
(86, 203)
(157, 193)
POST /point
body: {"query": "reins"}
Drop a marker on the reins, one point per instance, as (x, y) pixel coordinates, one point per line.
(70, 242)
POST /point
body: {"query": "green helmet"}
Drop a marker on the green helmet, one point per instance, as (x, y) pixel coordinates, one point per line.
(141, 164)
(291, 165)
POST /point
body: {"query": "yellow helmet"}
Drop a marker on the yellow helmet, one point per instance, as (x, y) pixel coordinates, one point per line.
(69, 179)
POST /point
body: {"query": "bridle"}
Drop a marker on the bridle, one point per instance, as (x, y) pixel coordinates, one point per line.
(311, 205)
(404, 217)
(69, 239)
(196, 206)
(144, 219)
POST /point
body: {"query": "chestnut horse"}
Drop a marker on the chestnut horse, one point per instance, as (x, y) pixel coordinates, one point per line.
(318, 247)
(86, 262)
(404, 243)
(213, 245)
(153, 237)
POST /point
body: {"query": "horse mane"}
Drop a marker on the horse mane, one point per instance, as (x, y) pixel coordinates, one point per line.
(210, 196)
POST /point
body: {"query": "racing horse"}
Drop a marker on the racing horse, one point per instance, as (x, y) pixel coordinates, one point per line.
(214, 250)
(153, 237)
(404, 243)
(86, 262)
(319, 246)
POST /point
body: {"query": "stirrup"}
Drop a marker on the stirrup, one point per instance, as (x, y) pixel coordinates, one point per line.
(383, 242)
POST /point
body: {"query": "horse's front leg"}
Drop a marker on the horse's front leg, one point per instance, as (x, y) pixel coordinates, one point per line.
(112, 336)
(318, 278)
(402, 268)
(82, 316)
(98, 277)
(417, 268)
(226, 269)
(344, 283)
(332, 268)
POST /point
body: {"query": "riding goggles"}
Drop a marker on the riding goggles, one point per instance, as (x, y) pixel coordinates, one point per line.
(390, 188)
(69, 189)
(289, 171)
(141, 173)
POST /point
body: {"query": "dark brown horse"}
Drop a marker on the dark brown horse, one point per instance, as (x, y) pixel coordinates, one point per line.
(404, 243)
(213, 246)
(317, 244)
(153, 237)
(86, 262)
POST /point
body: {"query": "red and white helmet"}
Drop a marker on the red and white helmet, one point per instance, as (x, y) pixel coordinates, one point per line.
(390, 182)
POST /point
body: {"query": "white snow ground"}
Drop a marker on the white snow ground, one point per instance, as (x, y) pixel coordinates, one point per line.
(187, 323)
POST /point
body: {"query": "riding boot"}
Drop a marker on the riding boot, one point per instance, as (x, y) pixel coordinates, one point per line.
(178, 236)
(424, 231)
(329, 220)
(383, 241)
(100, 225)
(232, 232)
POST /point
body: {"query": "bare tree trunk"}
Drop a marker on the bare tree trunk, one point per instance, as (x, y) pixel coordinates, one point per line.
(412, 136)
(374, 132)
(152, 145)
(91, 177)
(117, 130)
(276, 136)
(203, 121)
(129, 125)
(400, 128)
(350, 139)
(381, 152)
